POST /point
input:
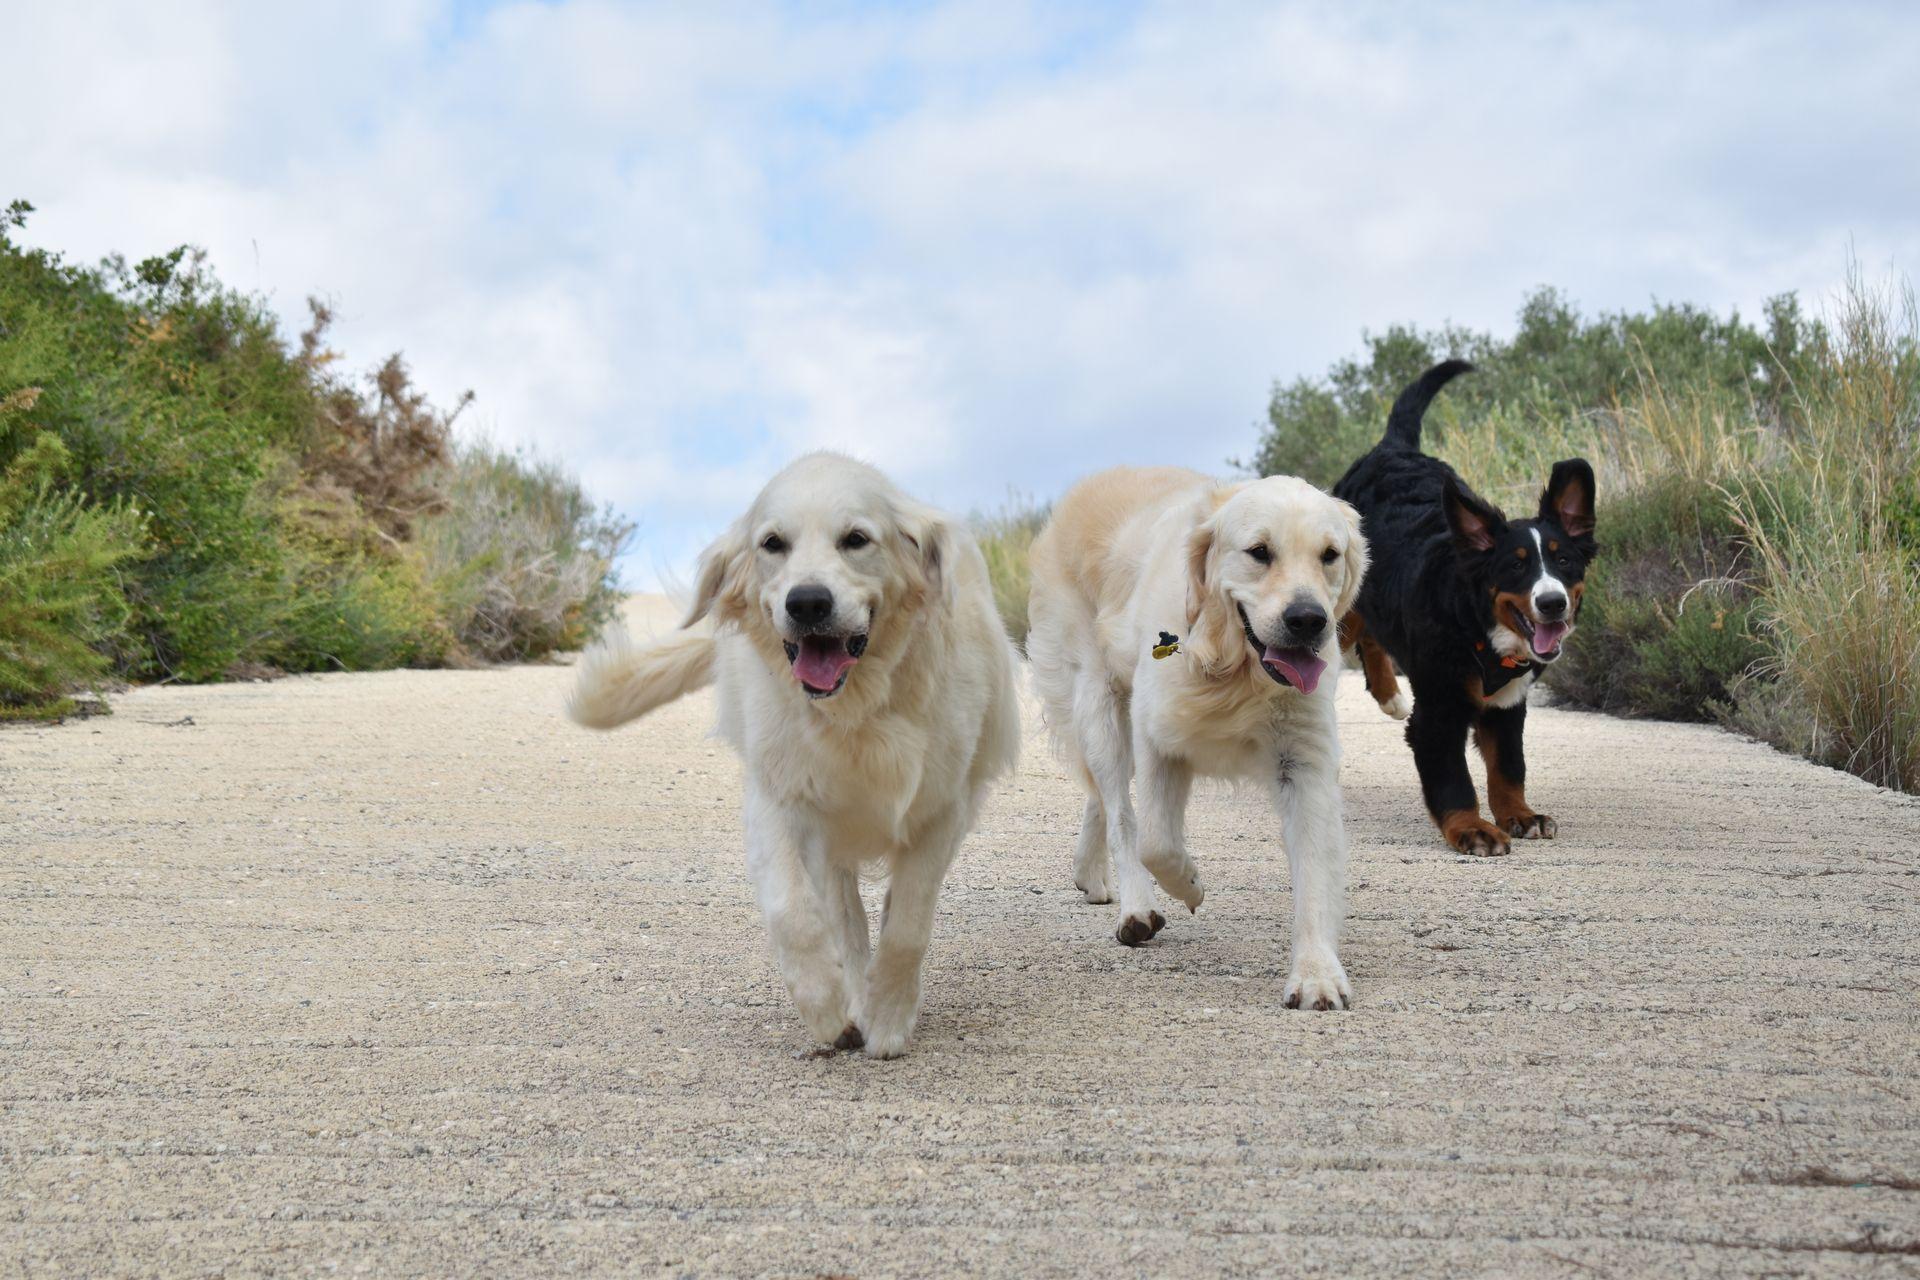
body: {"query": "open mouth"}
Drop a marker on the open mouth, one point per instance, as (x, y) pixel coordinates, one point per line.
(1297, 667)
(821, 662)
(1542, 637)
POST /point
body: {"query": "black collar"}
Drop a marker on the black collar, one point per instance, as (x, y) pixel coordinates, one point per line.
(1498, 670)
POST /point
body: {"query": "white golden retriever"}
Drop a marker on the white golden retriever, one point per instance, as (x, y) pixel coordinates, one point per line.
(866, 681)
(1250, 578)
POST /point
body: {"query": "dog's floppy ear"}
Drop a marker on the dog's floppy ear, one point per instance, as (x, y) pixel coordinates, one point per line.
(1213, 635)
(1199, 552)
(1568, 498)
(1476, 523)
(930, 541)
(721, 588)
(1355, 561)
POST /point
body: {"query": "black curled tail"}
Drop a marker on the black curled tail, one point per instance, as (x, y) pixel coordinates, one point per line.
(1403, 424)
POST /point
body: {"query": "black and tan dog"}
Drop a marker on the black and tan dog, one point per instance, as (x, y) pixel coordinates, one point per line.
(1472, 606)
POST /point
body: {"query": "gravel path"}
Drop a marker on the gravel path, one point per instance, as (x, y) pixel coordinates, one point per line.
(402, 973)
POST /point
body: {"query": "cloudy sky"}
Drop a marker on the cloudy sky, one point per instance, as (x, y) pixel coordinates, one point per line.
(989, 246)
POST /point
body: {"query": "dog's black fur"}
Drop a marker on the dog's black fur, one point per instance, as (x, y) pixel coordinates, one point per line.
(1444, 563)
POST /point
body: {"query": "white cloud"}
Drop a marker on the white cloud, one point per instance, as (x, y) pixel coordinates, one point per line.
(988, 245)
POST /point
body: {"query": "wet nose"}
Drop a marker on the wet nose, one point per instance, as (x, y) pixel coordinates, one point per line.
(1552, 606)
(1305, 621)
(810, 606)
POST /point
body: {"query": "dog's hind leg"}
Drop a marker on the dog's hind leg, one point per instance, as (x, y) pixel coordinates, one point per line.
(1164, 785)
(1375, 665)
(1090, 873)
(1103, 732)
(892, 1003)
(787, 864)
(1307, 793)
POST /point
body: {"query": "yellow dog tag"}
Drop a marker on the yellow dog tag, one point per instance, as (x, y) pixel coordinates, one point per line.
(1168, 646)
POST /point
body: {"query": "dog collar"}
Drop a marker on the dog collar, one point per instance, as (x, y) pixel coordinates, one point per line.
(1498, 670)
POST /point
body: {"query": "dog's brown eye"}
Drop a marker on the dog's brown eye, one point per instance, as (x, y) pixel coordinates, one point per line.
(773, 544)
(854, 541)
(1329, 555)
(1260, 554)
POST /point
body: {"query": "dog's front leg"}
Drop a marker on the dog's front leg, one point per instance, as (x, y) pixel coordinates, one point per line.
(1314, 827)
(1164, 785)
(1499, 735)
(906, 927)
(786, 859)
(1103, 729)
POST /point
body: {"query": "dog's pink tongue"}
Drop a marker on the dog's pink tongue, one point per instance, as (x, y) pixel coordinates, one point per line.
(819, 664)
(1547, 637)
(1301, 667)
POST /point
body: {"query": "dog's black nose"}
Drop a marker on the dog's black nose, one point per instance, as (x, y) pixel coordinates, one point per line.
(1551, 607)
(1305, 621)
(810, 606)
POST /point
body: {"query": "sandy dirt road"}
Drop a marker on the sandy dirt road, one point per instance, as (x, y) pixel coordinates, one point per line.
(403, 974)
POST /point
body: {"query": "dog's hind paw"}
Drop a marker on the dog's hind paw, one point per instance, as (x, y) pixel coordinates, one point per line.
(1092, 882)
(1399, 706)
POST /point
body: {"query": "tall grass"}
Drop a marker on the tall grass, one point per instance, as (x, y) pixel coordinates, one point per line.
(1837, 531)
(1006, 535)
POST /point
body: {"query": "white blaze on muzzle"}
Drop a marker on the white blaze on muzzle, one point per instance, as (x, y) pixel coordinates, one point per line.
(1547, 636)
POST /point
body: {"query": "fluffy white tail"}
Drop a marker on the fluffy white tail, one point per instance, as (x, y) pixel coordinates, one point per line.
(620, 681)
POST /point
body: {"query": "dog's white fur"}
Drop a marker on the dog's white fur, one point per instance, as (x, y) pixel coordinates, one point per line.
(891, 769)
(1130, 553)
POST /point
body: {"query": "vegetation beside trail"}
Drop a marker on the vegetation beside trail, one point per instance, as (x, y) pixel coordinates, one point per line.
(186, 495)
(1759, 514)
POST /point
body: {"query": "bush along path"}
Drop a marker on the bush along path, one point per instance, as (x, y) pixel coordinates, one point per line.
(187, 496)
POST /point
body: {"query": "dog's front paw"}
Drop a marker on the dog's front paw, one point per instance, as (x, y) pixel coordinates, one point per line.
(1318, 982)
(886, 1034)
(822, 1005)
(892, 1009)
(1136, 929)
(1468, 832)
(1175, 872)
(1399, 706)
(1528, 825)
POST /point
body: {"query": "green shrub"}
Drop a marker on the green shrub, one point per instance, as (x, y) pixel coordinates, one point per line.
(61, 605)
(1667, 625)
(280, 502)
(1558, 368)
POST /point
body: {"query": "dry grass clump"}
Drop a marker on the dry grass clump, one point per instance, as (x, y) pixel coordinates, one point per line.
(1005, 536)
(521, 558)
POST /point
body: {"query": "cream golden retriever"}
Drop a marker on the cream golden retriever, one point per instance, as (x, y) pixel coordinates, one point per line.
(1247, 580)
(867, 683)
